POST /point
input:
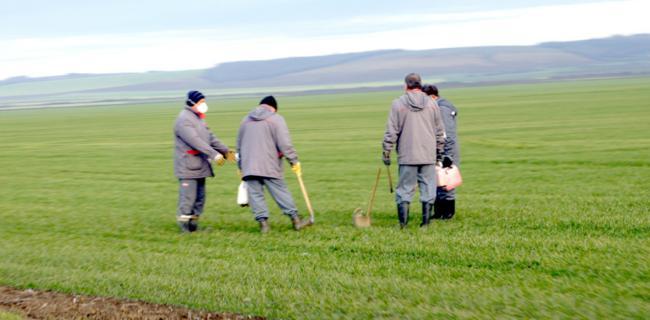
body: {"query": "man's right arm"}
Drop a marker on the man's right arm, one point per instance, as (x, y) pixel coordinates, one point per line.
(392, 130)
(390, 136)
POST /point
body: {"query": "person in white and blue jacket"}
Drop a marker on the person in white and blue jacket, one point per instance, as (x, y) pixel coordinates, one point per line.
(445, 205)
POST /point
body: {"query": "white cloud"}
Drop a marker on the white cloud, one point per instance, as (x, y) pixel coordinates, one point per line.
(204, 48)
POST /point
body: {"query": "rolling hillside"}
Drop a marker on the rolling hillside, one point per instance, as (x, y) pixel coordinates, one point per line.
(614, 56)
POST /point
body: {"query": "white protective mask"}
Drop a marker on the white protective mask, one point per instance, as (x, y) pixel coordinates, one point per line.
(202, 107)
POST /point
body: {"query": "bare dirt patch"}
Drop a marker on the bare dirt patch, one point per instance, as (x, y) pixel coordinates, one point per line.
(54, 305)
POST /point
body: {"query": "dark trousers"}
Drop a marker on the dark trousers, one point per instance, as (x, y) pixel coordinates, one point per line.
(452, 150)
(442, 194)
(191, 196)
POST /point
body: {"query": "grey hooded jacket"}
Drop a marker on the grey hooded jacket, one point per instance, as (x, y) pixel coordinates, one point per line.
(195, 146)
(415, 127)
(449, 114)
(262, 141)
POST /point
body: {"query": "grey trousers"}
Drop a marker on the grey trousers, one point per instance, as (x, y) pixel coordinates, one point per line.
(191, 196)
(422, 175)
(278, 190)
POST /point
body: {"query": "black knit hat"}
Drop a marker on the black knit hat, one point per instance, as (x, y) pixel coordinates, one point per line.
(193, 97)
(430, 90)
(270, 100)
(413, 81)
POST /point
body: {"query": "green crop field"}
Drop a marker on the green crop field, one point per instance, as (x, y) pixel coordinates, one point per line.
(553, 220)
(9, 316)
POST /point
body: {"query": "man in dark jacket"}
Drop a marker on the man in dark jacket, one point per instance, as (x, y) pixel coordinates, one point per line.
(195, 147)
(445, 205)
(415, 128)
(262, 142)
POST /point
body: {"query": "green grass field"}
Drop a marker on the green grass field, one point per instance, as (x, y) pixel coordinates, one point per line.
(553, 219)
(9, 316)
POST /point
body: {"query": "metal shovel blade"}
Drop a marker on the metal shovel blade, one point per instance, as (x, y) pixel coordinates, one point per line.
(359, 219)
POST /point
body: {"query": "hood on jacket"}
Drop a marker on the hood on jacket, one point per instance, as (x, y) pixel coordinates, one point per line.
(416, 100)
(260, 113)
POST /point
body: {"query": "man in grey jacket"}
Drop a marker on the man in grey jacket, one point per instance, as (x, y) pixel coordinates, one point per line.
(195, 147)
(445, 206)
(415, 128)
(262, 142)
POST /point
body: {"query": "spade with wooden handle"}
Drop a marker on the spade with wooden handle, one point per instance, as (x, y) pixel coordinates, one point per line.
(360, 219)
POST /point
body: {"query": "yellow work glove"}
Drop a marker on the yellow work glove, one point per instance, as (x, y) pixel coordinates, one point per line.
(219, 159)
(230, 156)
(296, 169)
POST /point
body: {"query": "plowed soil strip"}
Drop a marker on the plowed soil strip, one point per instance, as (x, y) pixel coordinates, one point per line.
(54, 305)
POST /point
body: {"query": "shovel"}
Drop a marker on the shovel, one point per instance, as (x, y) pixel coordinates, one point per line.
(306, 196)
(360, 219)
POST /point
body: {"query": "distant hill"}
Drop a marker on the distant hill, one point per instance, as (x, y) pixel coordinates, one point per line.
(613, 56)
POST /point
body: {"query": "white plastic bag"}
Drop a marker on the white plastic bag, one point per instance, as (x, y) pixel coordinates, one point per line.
(242, 194)
(448, 178)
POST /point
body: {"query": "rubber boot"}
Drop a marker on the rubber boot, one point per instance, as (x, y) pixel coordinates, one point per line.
(264, 226)
(403, 214)
(185, 226)
(450, 209)
(438, 209)
(193, 224)
(299, 223)
(426, 213)
(184, 222)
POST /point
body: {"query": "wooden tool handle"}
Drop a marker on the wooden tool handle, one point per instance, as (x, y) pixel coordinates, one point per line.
(306, 196)
(390, 179)
(374, 191)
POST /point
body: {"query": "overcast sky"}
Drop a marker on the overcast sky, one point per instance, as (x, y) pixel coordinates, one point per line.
(40, 38)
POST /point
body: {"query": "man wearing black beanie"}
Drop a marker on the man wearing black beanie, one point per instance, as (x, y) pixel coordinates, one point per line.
(262, 142)
(270, 101)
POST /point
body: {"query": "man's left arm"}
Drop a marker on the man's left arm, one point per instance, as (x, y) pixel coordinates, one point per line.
(239, 139)
(283, 141)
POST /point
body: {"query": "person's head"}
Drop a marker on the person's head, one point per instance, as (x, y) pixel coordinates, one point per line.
(413, 81)
(196, 101)
(430, 90)
(270, 101)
